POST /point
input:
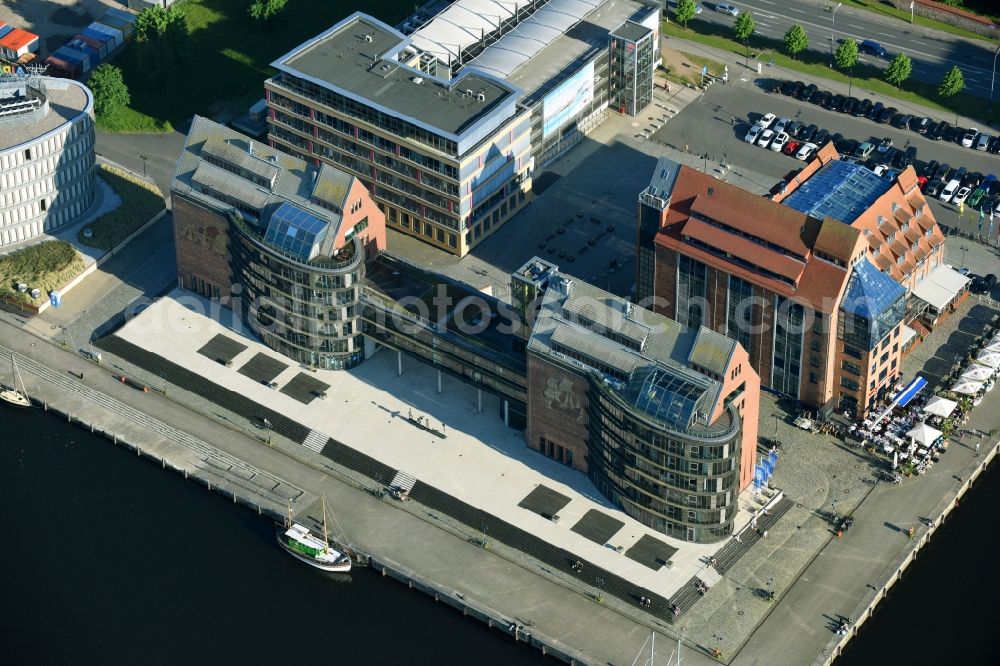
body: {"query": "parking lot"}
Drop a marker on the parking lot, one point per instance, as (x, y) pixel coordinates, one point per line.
(717, 124)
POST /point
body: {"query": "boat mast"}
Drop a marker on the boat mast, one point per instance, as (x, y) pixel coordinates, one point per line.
(288, 523)
(326, 537)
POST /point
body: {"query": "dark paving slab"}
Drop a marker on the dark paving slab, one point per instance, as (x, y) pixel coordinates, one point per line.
(222, 349)
(596, 526)
(262, 368)
(650, 552)
(544, 501)
(304, 387)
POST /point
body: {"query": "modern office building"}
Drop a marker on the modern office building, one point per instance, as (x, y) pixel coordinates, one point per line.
(444, 121)
(803, 294)
(660, 416)
(282, 241)
(46, 155)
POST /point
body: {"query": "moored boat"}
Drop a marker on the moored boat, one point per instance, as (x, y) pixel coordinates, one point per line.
(14, 395)
(312, 549)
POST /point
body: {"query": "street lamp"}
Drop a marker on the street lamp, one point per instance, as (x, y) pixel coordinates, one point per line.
(964, 250)
(993, 77)
(143, 158)
(833, 26)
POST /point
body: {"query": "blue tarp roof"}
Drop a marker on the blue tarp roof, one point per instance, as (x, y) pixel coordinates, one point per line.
(870, 291)
(904, 397)
(841, 190)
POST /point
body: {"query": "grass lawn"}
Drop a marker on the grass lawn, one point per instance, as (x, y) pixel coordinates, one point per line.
(45, 266)
(140, 201)
(227, 57)
(867, 79)
(131, 121)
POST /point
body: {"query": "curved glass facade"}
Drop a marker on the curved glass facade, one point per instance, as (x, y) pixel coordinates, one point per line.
(684, 484)
(307, 310)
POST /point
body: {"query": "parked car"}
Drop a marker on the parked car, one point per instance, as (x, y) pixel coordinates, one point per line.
(921, 125)
(976, 197)
(727, 9)
(871, 47)
(806, 92)
(972, 179)
(781, 124)
(888, 157)
(952, 134)
(767, 120)
(983, 284)
(806, 151)
(961, 195)
(844, 102)
(933, 188)
(847, 147)
(818, 97)
(793, 128)
(949, 190)
(969, 137)
(864, 151)
(791, 87)
(939, 130)
(849, 105)
(994, 146)
(821, 137)
(765, 138)
(753, 134)
(904, 158)
(886, 115)
(808, 133)
(929, 169)
(778, 142)
(983, 141)
(791, 147)
(862, 108)
(902, 120)
(941, 172)
(875, 111)
(834, 102)
(885, 144)
(960, 173)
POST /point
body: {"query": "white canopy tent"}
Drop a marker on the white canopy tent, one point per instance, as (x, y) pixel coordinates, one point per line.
(978, 373)
(940, 287)
(940, 406)
(924, 435)
(967, 387)
(991, 359)
(993, 347)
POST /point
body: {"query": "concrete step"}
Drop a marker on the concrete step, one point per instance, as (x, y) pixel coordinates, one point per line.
(315, 441)
(403, 481)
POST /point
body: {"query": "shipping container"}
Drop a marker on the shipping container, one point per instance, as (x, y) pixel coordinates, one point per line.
(4, 28)
(80, 45)
(128, 17)
(61, 68)
(65, 52)
(114, 22)
(102, 37)
(116, 34)
(100, 46)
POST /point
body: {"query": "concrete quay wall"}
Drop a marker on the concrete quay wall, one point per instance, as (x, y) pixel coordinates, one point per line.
(894, 570)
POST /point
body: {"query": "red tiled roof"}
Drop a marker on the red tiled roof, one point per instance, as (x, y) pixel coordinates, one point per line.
(837, 239)
(738, 208)
(747, 250)
(822, 284)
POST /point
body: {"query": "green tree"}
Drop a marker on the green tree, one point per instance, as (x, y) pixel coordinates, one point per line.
(161, 37)
(796, 40)
(899, 69)
(109, 89)
(265, 10)
(684, 11)
(743, 29)
(846, 56)
(952, 83)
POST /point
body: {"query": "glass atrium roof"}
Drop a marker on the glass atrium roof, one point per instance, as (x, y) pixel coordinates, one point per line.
(295, 230)
(870, 292)
(839, 189)
(664, 395)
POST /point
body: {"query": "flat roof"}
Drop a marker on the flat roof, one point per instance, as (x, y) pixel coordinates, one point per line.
(68, 100)
(631, 31)
(356, 57)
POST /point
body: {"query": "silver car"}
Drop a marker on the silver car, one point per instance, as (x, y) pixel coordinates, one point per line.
(727, 9)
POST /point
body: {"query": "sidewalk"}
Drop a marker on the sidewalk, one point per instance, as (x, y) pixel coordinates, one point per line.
(739, 74)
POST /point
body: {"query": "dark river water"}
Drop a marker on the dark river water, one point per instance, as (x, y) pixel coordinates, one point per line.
(109, 559)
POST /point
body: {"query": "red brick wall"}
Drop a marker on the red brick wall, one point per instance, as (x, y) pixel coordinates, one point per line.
(201, 240)
(666, 282)
(557, 409)
(374, 233)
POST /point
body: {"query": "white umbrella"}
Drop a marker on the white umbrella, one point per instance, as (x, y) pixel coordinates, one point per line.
(991, 359)
(977, 373)
(940, 406)
(895, 459)
(966, 386)
(993, 347)
(996, 338)
(924, 434)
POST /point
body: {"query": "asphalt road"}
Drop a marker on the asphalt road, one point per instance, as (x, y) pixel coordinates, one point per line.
(932, 52)
(160, 150)
(704, 126)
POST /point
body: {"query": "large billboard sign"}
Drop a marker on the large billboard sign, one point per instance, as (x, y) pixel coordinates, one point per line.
(568, 99)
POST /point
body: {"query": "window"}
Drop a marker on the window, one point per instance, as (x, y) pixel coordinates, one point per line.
(851, 368)
(27, 154)
(43, 204)
(849, 384)
(813, 378)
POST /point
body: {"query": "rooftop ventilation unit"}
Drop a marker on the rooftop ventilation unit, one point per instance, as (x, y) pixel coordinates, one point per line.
(418, 80)
(368, 39)
(481, 97)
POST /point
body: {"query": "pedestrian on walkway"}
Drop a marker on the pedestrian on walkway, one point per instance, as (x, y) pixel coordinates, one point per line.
(977, 448)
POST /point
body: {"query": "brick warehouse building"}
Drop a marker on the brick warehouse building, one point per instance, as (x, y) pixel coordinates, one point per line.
(803, 294)
(293, 236)
(661, 417)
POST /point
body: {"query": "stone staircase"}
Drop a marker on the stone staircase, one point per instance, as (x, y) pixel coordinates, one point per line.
(315, 441)
(403, 482)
